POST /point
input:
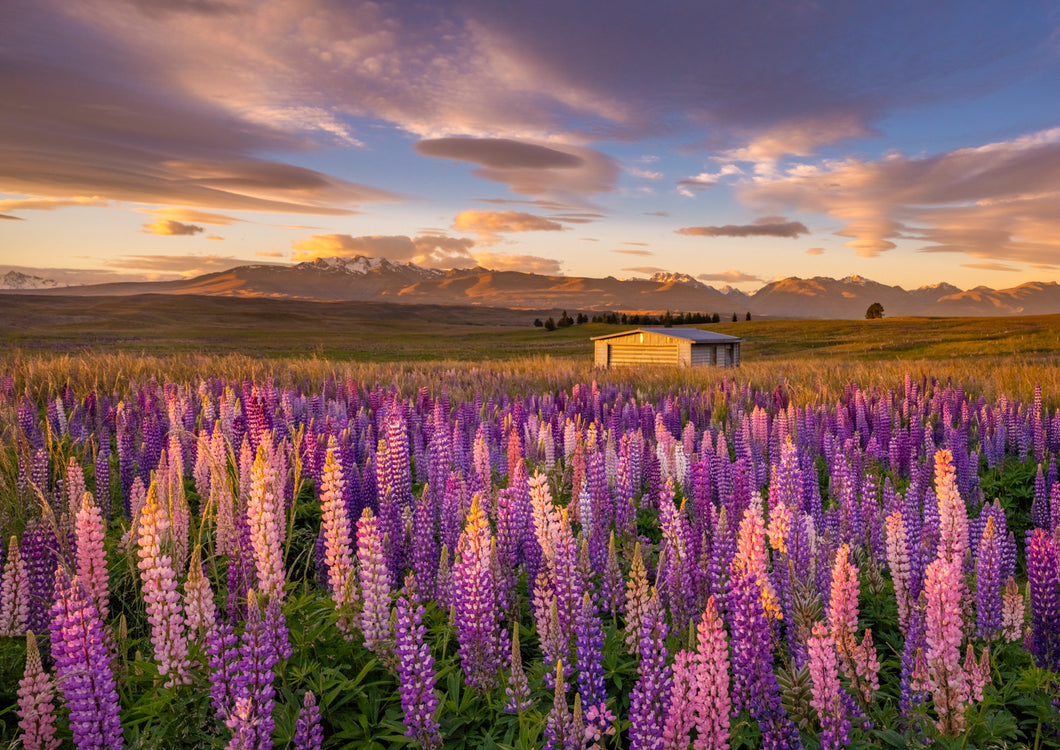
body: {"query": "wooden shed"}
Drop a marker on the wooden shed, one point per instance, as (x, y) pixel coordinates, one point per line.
(683, 347)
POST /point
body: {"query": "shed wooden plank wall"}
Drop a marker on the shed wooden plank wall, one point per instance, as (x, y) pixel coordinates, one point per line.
(625, 355)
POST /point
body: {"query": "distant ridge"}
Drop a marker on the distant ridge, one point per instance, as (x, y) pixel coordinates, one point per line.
(376, 279)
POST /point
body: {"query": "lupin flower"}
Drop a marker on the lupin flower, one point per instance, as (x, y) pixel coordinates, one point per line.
(712, 702)
(843, 605)
(953, 514)
(375, 586)
(677, 727)
(988, 584)
(517, 689)
(82, 667)
(308, 734)
(478, 619)
(36, 708)
(651, 693)
(265, 517)
(1043, 581)
(559, 725)
(637, 597)
(338, 555)
(199, 609)
(254, 696)
(824, 672)
(91, 558)
(976, 673)
(589, 649)
(160, 594)
(898, 560)
(415, 667)
(222, 654)
(14, 592)
(752, 556)
(1013, 611)
(943, 589)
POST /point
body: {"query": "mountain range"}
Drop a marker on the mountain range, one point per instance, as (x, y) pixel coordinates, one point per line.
(376, 279)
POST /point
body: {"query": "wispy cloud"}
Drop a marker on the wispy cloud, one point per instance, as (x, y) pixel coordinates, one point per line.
(732, 276)
(645, 269)
(770, 226)
(269, 254)
(174, 266)
(530, 168)
(170, 227)
(488, 224)
(524, 263)
(990, 267)
(191, 215)
(998, 201)
(631, 251)
(430, 250)
(48, 204)
(815, 251)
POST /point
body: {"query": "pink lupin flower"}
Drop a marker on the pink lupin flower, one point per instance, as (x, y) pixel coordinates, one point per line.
(338, 556)
(36, 707)
(637, 597)
(375, 586)
(824, 672)
(752, 557)
(779, 523)
(866, 667)
(977, 673)
(265, 517)
(160, 593)
(1013, 611)
(898, 560)
(199, 607)
(953, 514)
(677, 727)
(91, 557)
(712, 703)
(75, 485)
(843, 604)
(14, 592)
(944, 588)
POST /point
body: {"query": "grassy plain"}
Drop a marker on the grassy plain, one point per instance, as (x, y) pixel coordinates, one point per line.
(93, 339)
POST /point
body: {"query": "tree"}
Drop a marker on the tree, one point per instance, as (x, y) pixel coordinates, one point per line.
(550, 324)
(748, 315)
(668, 320)
(734, 317)
(875, 311)
(565, 321)
(715, 318)
(538, 323)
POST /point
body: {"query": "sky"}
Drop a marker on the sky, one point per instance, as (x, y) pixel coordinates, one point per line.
(737, 141)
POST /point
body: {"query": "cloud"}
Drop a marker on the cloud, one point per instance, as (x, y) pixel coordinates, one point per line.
(48, 204)
(689, 186)
(174, 266)
(800, 137)
(645, 174)
(645, 269)
(657, 213)
(192, 216)
(732, 276)
(12, 218)
(815, 251)
(633, 252)
(529, 167)
(488, 224)
(771, 226)
(269, 254)
(990, 267)
(170, 227)
(429, 250)
(998, 201)
(524, 263)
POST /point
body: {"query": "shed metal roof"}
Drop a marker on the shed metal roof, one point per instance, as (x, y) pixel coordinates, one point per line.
(696, 335)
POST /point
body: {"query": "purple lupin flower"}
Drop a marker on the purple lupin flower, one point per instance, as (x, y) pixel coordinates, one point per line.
(308, 734)
(988, 584)
(589, 650)
(416, 675)
(474, 595)
(651, 694)
(517, 689)
(754, 684)
(222, 653)
(375, 586)
(82, 667)
(1043, 580)
(253, 693)
(559, 725)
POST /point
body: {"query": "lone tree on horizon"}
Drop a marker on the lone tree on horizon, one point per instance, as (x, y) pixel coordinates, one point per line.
(875, 311)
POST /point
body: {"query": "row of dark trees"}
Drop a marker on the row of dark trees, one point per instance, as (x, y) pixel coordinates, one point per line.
(638, 319)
